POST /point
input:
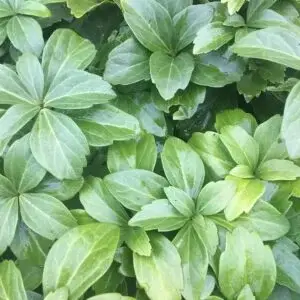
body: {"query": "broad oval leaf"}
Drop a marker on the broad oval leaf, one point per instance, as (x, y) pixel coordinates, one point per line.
(150, 23)
(53, 141)
(79, 8)
(136, 188)
(171, 74)
(128, 63)
(94, 245)
(182, 166)
(34, 8)
(162, 279)
(255, 6)
(42, 208)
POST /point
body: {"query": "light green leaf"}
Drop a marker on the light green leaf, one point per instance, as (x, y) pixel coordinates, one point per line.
(175, 6)
(26, 35)
(15, 118)
(215, 196)
(100, 204)
(217, 68)
(290, 123)
(194, 261)
(160, 274)
(31, 74)
(5, 9)
(212, 37)
(12, 90)
(75, 53)
(278, 169)
(150, 23)
(21, 167)
(37, 209)
(11, 284)
(171, 74)
(216, 159)
(266, 220)
(236, 117)
(79, 7)
(137, 240)
(146, 153)
(104, 124)
(82, 217)
(255, 6)
(8, 223)
(29, 246)
(159, 215)
(233, 5)
(136, 188)
(267, 135)
(246, 294)
(111, 296)
(53, 140)
(188, 21)
(242, 171)
(33, 8)
(3, 31)
(76, 89)
(246, 261)
(59, 294)
(60, 189)
(248, 191)
(243, 149)
(7, 190)
(182, 166)
(275, 44)
(128, 63)
(79, 272)
(181, 201)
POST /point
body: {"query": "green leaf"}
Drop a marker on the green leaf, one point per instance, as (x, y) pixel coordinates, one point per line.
(5, 9)
(7, 190)
(290, 122)
(275, 44)
(246, 261)
(278, 169)
(82, 217)
(80, 8)
(75, 53)
(217, 68)
(59, 294)
(242, 171)
(246, 294)
(175, 6)
(162, 279)
(267, 135)
(128, 63)
(75, 89)
(29, 246)
(266, 220)
(171, 74)
(236, 117)
(194, 261)
(12, 90)
(215, 196)
(181, 201)
(31, 74)
(136, 188)
(243, 149)
(248, 191)
(21, 167)
(15, 118)
(211, 37)
(26, 35)
(137, 240)
(234, 20)
(37, 209)
(31, 274)
(182, 166)
(104, 124)
(188, 21)
(128, 155)
(159, 215)
(79, 272)
(288, 267)
(233, 5)
(150, 23)
(255, 6)
(3, 31)
(8, 223)
(11, 284)
(100, 204)
(111, 296)
(53, 140)
(60, 189)
(216, 159)
(33, 8)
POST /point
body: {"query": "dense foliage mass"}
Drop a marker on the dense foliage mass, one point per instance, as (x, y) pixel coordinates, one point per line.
(150, 149)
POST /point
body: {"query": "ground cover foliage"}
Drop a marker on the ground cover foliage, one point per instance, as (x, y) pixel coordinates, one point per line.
(150, 149)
